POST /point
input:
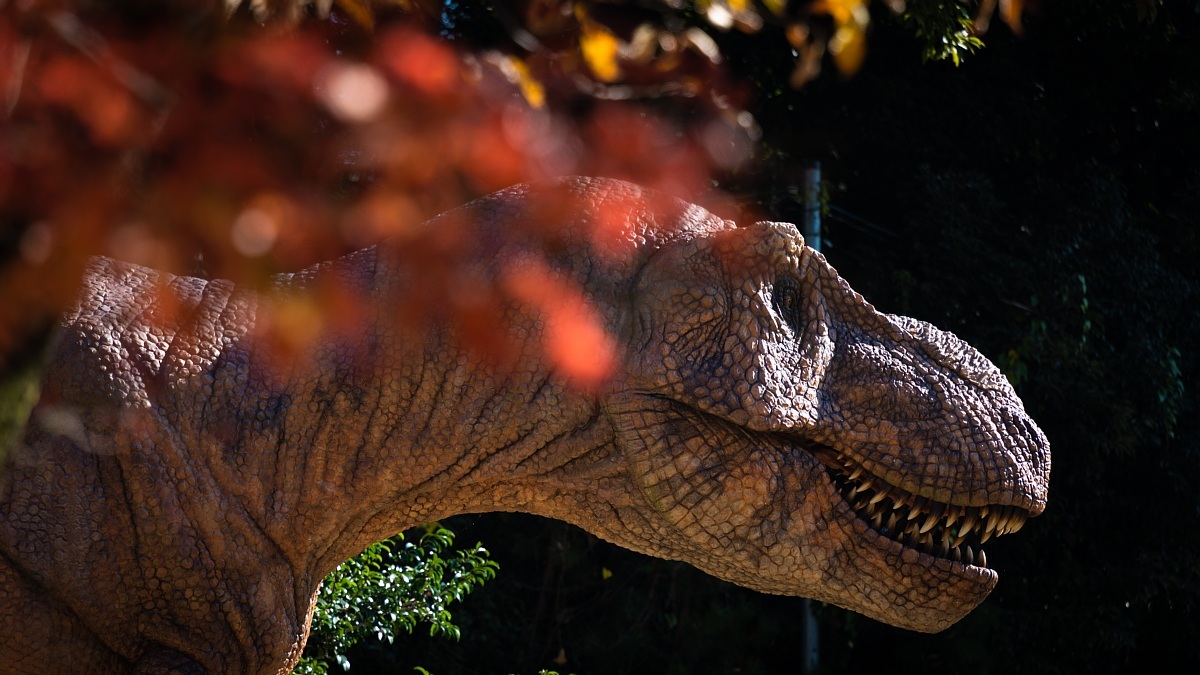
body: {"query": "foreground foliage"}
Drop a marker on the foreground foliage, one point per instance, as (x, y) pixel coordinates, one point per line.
(392, 586)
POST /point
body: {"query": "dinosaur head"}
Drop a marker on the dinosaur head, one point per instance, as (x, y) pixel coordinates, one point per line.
(788, 437)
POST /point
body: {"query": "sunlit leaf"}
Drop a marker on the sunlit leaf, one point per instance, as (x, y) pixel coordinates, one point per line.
(848, 48)
(718, 13)
(391, 588)
(776, 7)
(1010, 13)
(353, 92)
(599, 48)
(420, 61)
(531, 89)
(575, 339)
(102, 104)
(797, 35)
(703, 43)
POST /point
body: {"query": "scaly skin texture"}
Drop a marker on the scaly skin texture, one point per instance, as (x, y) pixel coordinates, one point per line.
(186, 481)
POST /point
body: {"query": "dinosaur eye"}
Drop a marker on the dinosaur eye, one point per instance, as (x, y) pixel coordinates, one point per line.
(786, 297)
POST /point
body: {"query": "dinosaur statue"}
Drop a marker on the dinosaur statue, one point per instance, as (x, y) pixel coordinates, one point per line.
(185, 484)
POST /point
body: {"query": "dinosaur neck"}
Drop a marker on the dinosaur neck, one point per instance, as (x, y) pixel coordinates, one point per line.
(208, 425)
(376, 426)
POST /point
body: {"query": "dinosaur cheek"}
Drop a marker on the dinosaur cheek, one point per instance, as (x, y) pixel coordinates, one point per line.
(746, 491)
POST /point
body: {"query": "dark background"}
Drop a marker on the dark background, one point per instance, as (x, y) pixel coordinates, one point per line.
(1042, 202)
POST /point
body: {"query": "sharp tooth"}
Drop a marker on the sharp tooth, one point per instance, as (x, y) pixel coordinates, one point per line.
(959, 539)
(1019, 523)
(951, 516)
(928, 524)
(945, 548)
(891, 523)
(989, 529)
(987, 534)
(1012, 520)
(970, 558)
(957, 554)
(857, 472)
(968, 523)
(982, 561)
(914, 512)
(877, 521)
(877, 498)
(1001, 517)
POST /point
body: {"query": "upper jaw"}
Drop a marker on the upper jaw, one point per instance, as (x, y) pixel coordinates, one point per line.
(944, 530)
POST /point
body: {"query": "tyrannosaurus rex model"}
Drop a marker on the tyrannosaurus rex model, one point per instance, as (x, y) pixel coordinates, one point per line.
(186, 483)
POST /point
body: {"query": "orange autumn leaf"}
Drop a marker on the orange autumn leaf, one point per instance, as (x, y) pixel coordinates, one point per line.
(575, 340)
(1010, 12)
(848, 48)
(420, 61)
(101, 104)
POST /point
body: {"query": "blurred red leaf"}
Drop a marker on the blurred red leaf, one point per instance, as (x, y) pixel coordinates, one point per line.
(575, 340)
(421, 62)
(91, 94)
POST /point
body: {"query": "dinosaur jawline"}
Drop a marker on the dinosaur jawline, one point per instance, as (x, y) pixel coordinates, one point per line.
(951, 531)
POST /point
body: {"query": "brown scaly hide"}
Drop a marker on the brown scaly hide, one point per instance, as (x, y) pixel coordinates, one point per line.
(193, 470)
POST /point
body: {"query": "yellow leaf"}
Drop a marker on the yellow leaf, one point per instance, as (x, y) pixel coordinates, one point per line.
(531, 89)
(848, 48)
(777, 7)
(843, 11)
(599, 48)
(605, 573)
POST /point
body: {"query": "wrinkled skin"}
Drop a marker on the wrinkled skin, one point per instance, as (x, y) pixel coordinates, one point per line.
(186, 483)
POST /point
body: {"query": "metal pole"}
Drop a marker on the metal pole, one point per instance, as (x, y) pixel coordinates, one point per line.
(811, 229)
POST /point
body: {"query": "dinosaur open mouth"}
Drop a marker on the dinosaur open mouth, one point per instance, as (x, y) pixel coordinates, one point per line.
(951, 531)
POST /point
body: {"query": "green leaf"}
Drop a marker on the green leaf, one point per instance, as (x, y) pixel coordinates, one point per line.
(391, 586)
